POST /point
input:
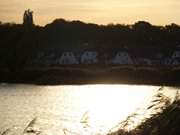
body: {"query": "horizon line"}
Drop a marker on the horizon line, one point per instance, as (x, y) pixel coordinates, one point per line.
(86, 22)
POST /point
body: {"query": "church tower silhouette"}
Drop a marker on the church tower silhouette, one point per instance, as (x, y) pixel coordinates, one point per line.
(28, 18)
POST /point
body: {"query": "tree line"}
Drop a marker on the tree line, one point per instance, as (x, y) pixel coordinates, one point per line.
(20, 43)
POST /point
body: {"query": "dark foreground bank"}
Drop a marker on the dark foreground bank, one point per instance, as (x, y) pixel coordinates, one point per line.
(95, 75)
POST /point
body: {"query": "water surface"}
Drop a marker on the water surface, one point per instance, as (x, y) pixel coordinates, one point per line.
(85, 109)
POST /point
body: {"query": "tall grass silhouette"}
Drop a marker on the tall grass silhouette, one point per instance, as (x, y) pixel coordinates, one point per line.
(163, 119)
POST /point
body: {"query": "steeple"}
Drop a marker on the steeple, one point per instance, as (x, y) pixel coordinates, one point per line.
(28, 18)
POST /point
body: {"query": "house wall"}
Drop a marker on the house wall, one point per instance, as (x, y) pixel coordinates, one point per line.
(68, 58)
(122, 58)
(94, 57)
(176, 54)
(89, 57)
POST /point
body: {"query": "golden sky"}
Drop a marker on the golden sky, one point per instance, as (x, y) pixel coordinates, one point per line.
(159, 12)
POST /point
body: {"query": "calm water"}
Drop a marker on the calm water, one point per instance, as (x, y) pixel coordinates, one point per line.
(85, 109)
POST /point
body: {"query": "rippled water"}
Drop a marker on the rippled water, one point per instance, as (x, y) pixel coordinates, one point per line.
(85, 109)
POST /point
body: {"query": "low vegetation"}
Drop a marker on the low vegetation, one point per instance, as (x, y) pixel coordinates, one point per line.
(164, 118)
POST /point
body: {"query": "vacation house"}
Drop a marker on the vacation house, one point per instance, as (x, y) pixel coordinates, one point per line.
(122, 58)
(89, 57)
(68, 58)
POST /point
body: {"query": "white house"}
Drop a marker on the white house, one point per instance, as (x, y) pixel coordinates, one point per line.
(176, 54)
(122, 58)
(143, 61)
(175, 62)
(176, 58)
(89, 57)
(68, 58)
(44, 59)
(167, 61)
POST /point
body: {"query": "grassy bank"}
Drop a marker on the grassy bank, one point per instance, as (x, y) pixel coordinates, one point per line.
(95, 75)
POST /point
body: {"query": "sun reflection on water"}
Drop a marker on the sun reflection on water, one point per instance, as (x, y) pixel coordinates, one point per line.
(107, 105)
(74, 109)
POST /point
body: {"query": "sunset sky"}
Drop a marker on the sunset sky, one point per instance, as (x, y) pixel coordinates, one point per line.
(159, 12)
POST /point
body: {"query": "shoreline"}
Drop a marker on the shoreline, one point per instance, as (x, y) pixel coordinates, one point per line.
(164, 76)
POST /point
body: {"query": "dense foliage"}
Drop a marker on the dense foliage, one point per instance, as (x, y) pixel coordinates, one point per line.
(19, 42)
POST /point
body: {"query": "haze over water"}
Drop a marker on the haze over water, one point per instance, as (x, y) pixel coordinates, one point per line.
(85, 109)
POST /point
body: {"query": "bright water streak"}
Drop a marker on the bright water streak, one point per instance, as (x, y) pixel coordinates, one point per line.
(85, 109)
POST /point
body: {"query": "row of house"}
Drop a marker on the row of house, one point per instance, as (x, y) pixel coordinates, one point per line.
(93, 57)
(87, 57)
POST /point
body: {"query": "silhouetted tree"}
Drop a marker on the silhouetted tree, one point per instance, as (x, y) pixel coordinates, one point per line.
(20, 43)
